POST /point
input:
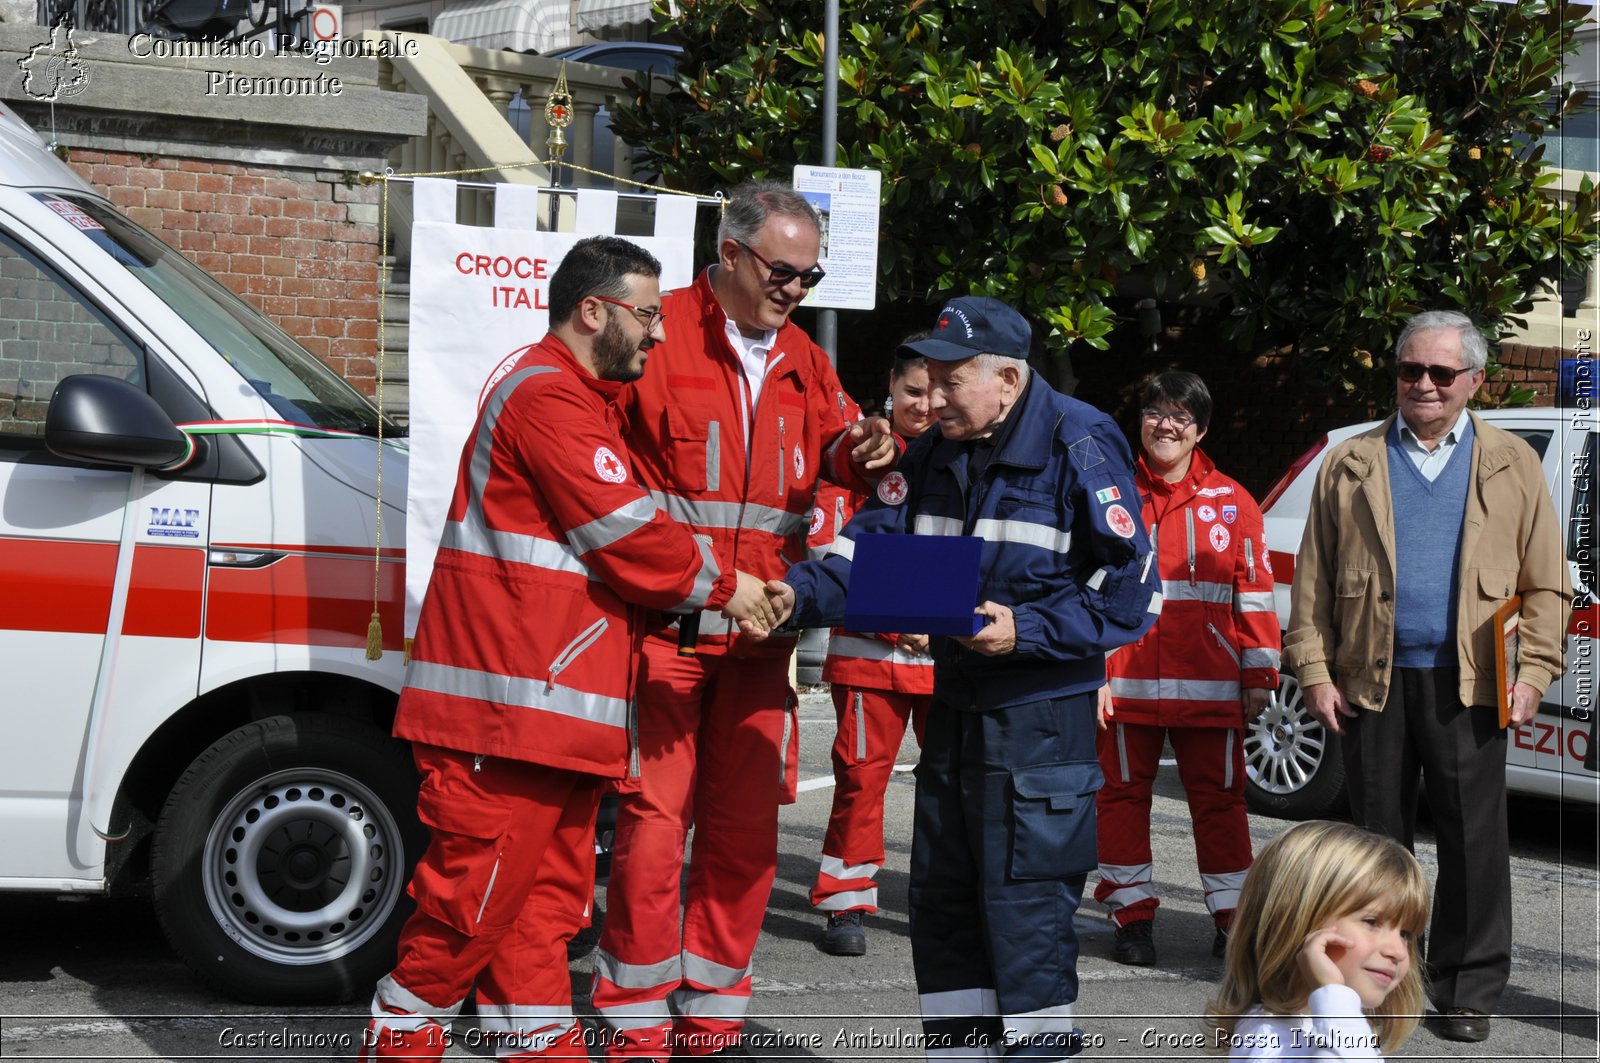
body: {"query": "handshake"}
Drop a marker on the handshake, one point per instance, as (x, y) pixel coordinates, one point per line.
(759, 606)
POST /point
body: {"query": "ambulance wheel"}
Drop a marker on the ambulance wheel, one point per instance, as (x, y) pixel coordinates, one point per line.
(281, 858)
(1294, 768)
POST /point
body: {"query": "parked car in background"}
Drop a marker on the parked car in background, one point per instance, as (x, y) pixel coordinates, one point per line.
(1293, 766)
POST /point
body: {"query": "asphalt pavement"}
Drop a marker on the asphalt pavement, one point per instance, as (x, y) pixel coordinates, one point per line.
(94, 980)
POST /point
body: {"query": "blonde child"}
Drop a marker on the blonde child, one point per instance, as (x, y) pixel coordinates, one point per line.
(1322, 962)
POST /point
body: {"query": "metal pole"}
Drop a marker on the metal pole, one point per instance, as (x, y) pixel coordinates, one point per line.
(828, 319)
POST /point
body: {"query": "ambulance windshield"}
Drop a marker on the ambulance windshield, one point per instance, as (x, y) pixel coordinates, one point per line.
(298, 386)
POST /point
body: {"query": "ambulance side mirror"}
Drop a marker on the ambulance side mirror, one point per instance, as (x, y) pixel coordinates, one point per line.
(108, 421)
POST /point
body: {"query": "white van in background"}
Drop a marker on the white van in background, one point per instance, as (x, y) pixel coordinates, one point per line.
(188, 512)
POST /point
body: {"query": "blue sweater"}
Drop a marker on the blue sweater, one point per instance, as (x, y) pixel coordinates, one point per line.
(1427, 547)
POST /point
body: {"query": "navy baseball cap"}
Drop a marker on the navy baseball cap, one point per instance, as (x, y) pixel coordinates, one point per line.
(972, 325)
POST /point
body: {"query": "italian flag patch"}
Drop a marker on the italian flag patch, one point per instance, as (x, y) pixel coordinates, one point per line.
(1110, 494)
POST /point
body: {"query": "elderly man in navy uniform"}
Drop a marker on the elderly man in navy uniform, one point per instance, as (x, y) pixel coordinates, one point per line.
(1004, 831)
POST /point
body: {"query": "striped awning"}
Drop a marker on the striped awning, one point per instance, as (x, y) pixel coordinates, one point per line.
(521, 25)
(597, 15)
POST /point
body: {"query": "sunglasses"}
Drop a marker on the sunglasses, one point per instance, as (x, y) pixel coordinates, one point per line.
(1441, 375)
(778, 276)
(651, 316)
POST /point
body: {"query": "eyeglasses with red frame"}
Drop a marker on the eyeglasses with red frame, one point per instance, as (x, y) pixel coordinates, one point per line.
(650, 315)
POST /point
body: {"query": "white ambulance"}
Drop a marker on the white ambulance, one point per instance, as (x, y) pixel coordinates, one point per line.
(1293, 766)
(189, 513)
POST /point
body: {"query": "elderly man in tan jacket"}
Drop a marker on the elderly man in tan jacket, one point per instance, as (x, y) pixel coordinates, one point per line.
(1419, 530)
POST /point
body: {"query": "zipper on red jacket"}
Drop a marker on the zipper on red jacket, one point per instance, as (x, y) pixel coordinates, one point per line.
(575, 648)
(1188, 518)
(1249, 560)
(1224, 644)
(783, 450)
(838, 516)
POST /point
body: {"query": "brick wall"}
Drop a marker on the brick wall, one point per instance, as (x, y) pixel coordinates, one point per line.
(301, 245)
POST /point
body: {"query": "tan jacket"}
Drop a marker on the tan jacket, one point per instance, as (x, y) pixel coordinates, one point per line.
(1341, 620)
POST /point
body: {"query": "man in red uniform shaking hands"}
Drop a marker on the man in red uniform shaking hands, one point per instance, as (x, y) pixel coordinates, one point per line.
(739, 417)
(521, 685)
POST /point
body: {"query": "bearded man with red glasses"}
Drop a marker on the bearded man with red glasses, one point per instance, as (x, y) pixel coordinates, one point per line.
(1419, 531)
(739, 416)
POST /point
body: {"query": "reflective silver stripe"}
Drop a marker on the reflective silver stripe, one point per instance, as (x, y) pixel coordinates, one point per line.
(1260, 659)
(1222, 891)
(834, 867)
(524, 1029)
(483, 448)
(1227, 761)
(705, 581)
(1097, 580)
(639, 1016)
(862, 649)
(1253, 602)
(1122, 752)
(1023, 533)
(1130, 882)
(1155, 603)
(958, 1003)
(706, 513)
(636, 975)
(711, 973)
(930, 525)
(843, 902)
(705, 1005)
(512, 546)
(517, 691)
(1056, 1018)
(1179, 590)
(1176, 689)
(618, 524)
(391, 996)
(713, 456)
(845, 548)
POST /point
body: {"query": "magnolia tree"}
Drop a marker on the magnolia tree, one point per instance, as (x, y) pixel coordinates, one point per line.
(1341, 164)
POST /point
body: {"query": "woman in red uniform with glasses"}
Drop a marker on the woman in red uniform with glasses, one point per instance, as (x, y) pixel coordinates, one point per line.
(1205, 670)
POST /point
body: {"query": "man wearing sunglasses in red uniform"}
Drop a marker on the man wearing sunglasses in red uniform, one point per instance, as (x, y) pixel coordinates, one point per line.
(730, 431)
(1419, 530)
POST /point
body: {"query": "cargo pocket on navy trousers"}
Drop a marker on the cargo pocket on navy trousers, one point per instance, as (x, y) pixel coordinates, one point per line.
(1053, 819)
(455, 877)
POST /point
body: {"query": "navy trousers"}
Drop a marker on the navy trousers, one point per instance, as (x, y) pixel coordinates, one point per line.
(1003, 839)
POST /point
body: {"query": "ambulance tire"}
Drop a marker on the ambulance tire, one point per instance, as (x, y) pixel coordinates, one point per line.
(281, 858)
(1294, 769)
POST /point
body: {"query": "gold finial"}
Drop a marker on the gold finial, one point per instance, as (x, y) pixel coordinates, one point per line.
(558, 113)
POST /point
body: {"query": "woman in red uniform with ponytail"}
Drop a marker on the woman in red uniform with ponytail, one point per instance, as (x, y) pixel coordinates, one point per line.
(1197, 679)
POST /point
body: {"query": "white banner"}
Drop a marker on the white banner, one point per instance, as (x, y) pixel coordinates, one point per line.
(478, 295)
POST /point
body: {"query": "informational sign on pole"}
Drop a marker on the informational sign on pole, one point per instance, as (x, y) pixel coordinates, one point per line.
(848, 202)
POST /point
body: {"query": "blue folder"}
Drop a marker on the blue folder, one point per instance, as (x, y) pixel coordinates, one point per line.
(914, 584)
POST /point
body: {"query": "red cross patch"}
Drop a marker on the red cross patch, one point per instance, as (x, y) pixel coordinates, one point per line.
(817, 517)
(892, 489)
(1120, 521)
(608, 467)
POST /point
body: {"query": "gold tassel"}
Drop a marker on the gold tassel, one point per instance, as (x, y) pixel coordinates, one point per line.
(375, 638)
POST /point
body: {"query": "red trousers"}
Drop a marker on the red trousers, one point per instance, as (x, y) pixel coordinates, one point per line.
(507, 879)
(1211, 766)
(872, 724)
(719, 750)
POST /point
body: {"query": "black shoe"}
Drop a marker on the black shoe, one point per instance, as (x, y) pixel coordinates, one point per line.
(1219, 944)
(1464, 1024)
(845, 936)
(1135, 945)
